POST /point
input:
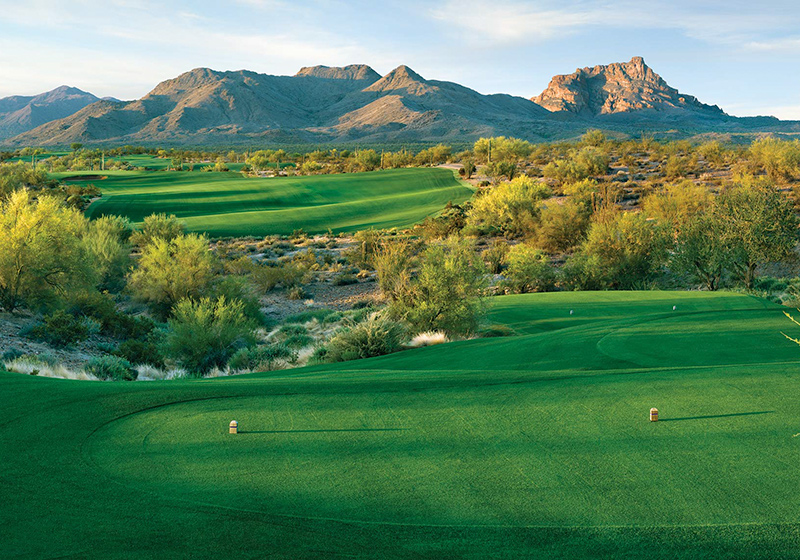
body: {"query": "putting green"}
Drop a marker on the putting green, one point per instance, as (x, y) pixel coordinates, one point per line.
(229, 204)
(534, 445)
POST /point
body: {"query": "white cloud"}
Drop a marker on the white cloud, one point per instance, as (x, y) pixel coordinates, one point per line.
(788, 44)
(525, 21)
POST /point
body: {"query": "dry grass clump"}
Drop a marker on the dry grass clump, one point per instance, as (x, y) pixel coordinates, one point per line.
(429, 338)
(152, 373)
(32, 366)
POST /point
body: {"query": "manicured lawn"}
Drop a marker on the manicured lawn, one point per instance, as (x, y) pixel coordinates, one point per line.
(228, 204)
(535, 445)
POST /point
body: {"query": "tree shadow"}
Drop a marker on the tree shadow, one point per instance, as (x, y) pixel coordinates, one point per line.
(716, 416)
(321, 431)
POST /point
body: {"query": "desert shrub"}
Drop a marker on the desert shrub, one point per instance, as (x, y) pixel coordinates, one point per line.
(529, 269)
(298, 340)
(375, 336)
(495, 256)
(677, 204)
(113, 323)
(271, 275)
(158, 226)
(580, 164)
(452, 220)
(446, 293)
(204, 334)
(758, 226)
(60, 329)
(334, 317)
(265, 357)
(584, 272)
(11, 355)
(111, 368)
(780, 160)
(345, 280)
(14, 176)
(306, 316)
(297, 292)
(140, 352)
(502, 148)
(292, 329)
(238, 289)
(367, 243)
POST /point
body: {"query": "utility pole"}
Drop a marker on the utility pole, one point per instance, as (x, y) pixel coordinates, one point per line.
(103, 164)
(489, 153)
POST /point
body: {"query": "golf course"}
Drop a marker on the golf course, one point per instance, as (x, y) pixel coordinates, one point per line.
(229, 204)
(535, 445)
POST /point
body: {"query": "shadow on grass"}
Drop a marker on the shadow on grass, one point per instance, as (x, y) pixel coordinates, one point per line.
(320, 431)
(716, 416)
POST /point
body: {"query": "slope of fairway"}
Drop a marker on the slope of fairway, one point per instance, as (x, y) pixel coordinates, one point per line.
(228, 204)
(536, 445)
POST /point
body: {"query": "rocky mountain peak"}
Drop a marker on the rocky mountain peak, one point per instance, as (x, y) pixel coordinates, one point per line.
(351, 72)
(620, 87)
(404, 79)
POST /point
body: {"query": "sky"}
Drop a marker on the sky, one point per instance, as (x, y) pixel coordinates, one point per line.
(742, 56)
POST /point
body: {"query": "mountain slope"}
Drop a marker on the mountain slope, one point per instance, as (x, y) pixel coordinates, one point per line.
(20, 113)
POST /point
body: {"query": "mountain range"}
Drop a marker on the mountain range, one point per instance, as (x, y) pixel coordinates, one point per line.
(355, 104)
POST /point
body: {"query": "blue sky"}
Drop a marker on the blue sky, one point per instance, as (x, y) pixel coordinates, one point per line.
(743, 56)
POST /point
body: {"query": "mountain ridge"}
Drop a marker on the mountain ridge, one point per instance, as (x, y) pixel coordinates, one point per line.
(354, 104)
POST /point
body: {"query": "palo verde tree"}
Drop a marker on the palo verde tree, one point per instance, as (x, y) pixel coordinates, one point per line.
(170, 271)
(42, 253)
(512, 208)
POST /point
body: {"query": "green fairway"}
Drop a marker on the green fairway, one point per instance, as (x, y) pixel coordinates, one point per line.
(228, 204)
(535, 446)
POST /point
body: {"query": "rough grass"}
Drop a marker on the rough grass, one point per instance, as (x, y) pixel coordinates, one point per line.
(536, 446)
(228, 204)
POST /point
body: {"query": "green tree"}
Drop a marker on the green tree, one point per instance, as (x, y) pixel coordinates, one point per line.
(42, 255)
(511, 208)
(759, 226)
(14, 176)
(393, 263)
(628, 247)
(562, 226)
(107, 241)
(368, 159)
(529, 269)
(700, 250)
(678, 203)
(158, 226)
(170, 271)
